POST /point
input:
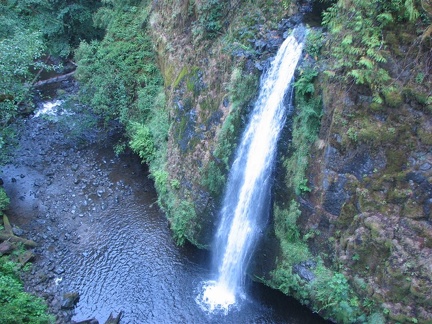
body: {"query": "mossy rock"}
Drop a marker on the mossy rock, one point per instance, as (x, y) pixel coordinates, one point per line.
(393, 97)
(411, 94)
(348, 212)
(425, 136)
(399, 195)
(413, 210)
(420, 288)
(396, 160)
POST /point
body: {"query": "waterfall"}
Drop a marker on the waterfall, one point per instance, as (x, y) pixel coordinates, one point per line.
(246, 202)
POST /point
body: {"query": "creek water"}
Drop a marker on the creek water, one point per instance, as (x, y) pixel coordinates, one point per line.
(101, 234)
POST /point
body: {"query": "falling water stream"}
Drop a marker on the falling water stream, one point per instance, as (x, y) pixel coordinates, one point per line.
(246, 202)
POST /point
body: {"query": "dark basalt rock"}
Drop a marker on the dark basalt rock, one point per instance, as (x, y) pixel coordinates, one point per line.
(335, 196)
(69, 301)
(303, 269)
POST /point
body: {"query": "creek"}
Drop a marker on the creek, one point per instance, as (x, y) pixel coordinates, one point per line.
(101, 234)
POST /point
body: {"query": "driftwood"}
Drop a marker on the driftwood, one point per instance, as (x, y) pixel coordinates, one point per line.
(8, 235)
(16, 239)
(7, 225)
(88, 321)
(54, 79)
(25, 257)
(114, 319)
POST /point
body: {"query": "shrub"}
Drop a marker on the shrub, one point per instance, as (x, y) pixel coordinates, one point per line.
(356, 46)
(305, 129)
(142, 141)
(16, 305)
(4, 200)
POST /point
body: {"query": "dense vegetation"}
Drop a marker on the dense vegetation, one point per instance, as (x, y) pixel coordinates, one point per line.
(157, 70)
(17, 306)
(30, 33)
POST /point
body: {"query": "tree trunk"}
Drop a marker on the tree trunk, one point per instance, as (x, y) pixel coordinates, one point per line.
(54, 79)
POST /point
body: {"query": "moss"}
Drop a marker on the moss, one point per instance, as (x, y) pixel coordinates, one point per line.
(425, 136)
(375, 106)
(183, 72)
(396, 160)
(393, 97)
(371, 131)
(412, 209)
(349, 210)
(411, 94)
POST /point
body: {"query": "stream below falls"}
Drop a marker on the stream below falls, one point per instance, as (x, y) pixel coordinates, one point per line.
(101, 234)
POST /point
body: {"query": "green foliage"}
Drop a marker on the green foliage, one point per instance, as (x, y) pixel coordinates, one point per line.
(29, 31)
(210, 18)
(356, 45)
(160, 177)
(314, 43)
(305, 128)
(4, 200)
(289, 221)
(142, 141)
(62, 24)
(334, 296)
(242, 88)
(17, 306)
(119, 75)
(181, 216)
(294, 249)
(18, 57)
(214, 178)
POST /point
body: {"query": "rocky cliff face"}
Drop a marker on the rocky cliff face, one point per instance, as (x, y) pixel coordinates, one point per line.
(371, 199)
(355, 244)
(211, 55)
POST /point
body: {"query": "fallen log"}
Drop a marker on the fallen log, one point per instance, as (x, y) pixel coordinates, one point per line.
(54, 79)
(16, 239)
(25, 257)
(7, 225)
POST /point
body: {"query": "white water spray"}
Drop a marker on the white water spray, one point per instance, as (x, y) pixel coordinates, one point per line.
(246, 202)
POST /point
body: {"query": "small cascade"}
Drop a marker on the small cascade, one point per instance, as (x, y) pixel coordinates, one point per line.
(246, 203)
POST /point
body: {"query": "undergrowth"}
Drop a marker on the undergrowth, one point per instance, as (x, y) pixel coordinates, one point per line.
(305, 129)
(16, 305)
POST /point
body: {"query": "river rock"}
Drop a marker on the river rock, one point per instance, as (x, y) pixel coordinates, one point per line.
(114, 319)
(303, 269)
(88, 321)
(70, 299)
(6, 247)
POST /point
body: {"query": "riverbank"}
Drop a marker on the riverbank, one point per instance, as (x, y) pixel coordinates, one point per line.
(58, 190)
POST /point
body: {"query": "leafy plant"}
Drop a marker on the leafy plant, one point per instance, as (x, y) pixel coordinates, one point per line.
(4, 200)
(305, 128)
(314, 43)
(119, 75)
(142, 141)
(16, 305)
(210, 14)
(356, 45)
